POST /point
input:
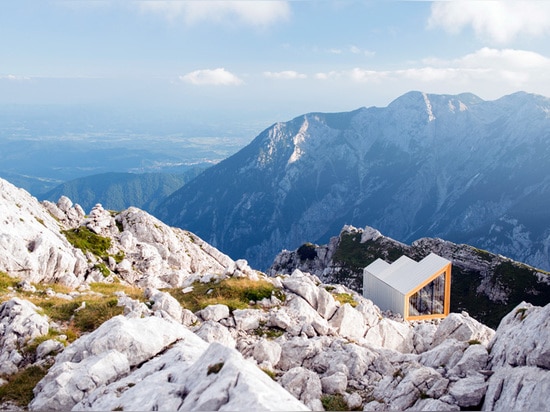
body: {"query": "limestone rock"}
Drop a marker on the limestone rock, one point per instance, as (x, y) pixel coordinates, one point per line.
(164, 305)
(463, 328)
(155, 385)
(49, 347)
(212, 331)
(102, 357)
(19, 324)
(391, 334)
(305, 385)
(267, 351)
(335, 383)
(349, 322)
(523, 388)
(523, 338)
(469, 391)
(31, 243)
(248, 319)
(473, 360)
(214, 312)
(445, 355)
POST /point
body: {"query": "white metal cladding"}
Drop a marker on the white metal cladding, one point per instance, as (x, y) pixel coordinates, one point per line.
(386, 285)
(407, 275)
(383, 296)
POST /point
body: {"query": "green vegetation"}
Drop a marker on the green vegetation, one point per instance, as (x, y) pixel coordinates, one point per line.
(268, 332)
(270, 373)
(345, 298)
(102, 267)
(41, 221)
(110, 288)
(521, 313)
(334, 403)
(215, 368)
(6, 281)
(307, 252)
(236, 293)
(483, 254)
(474, 342)
(86, 240)
(19, 387)
(82, 314)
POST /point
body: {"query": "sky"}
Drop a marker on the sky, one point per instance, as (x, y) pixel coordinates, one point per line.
(267, 61)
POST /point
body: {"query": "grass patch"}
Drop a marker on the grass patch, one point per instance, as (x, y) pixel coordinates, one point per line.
(334, 403)
(268, 332)
(19, 387)
(96, 310)
(111, 288)
(6, 281)
(345, 298)
(87, 241)
(474, 342)
(103, 269)
(34, 343)
(236, 293)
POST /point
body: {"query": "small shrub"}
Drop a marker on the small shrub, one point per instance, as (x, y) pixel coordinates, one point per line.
(270, 373)
(119, 257)
(521, 313)
(19, 387)
(474, 342)
(345, 298)
(307, 252)
(268, 332)
(215, 368)
(103, 269)
(334, 403)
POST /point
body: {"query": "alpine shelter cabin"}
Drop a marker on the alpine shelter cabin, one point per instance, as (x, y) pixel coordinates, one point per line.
(416, 290)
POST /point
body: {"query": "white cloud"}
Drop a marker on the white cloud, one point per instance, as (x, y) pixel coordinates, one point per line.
(510, 67)
(256, 13)
(216, 77)
(498, 21)
(285, 75)
(14, 77)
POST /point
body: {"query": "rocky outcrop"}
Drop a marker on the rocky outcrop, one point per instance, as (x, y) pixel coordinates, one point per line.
(139, 249)
(20, 323)
(485, 285)
(31, 243)
(520, 359)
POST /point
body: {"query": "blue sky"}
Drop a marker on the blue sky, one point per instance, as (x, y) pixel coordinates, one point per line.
(268, 60)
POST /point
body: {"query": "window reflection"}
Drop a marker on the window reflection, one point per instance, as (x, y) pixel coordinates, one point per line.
(430, 299)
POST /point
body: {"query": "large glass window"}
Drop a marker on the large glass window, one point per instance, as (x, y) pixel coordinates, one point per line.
(430, 299)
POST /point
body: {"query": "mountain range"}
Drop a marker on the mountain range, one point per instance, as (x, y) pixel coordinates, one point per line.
(450, 166)
(115, 310)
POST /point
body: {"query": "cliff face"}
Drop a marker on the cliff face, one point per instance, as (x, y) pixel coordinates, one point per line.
(183, 327)
(484, 284)
(454, 167)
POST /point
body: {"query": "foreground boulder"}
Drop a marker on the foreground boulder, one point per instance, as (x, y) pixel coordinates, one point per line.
(520, 359)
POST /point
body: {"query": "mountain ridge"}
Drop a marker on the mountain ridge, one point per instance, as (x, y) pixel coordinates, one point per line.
(456, 167)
